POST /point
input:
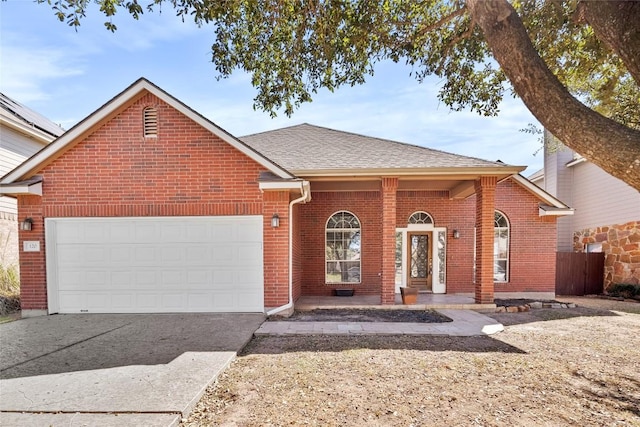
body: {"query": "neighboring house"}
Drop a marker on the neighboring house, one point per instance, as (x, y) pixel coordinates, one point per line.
(22, 133)
(147, 206)
(607, 211)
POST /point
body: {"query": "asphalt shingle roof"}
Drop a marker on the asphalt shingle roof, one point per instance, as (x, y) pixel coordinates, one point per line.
(309, 148)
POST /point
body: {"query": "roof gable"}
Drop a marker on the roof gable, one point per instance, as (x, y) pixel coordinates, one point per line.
(305, 149)
(549, 205)
(111, 109)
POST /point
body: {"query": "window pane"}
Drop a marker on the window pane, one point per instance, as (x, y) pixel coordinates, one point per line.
(501, 248)
(398, 259)
(500, 271)
(442, 259)
(342, 249)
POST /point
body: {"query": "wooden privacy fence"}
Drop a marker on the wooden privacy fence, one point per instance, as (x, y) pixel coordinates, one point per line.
(579, 273)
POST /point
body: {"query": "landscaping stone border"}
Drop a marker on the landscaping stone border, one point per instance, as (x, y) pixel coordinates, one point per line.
(532, 305)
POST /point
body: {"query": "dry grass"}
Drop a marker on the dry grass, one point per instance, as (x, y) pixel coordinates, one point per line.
(576, 367)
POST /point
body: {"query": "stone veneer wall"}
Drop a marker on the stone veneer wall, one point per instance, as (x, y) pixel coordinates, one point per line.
(621, 245)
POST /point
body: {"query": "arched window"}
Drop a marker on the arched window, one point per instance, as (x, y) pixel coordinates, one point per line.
(150, 122)
(500, 247)
(420, 217)
(342, 248)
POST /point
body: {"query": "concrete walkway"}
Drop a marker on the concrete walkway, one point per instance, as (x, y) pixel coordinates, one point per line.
(466, 323)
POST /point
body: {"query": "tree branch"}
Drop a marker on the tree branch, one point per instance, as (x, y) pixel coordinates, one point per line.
(617, 24)
(613, 147)
(441, 22)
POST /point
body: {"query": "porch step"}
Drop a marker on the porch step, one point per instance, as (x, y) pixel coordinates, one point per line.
(425, 301)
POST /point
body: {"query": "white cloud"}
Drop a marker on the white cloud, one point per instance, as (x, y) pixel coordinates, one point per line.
(33, 68)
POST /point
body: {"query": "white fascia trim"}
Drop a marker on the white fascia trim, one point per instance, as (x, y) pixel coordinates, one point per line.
(394, 172)
(553, 211)
(32, 188)
(112, 106)
(542, 195)
(576, 162)
(281, 185)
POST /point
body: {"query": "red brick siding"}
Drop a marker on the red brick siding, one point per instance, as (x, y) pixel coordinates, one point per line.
(367, 206)
(532, 257)
(389, 207)
(485, 208)
(276, 249)
(297, 261)
(185, 170)
(33, 275)
(532, 244)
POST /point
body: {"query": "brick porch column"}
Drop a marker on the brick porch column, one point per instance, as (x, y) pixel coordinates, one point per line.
(485, 207)
(389, 189)
(275, 248)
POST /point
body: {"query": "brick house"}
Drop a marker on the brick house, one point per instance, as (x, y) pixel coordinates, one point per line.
(147, 206)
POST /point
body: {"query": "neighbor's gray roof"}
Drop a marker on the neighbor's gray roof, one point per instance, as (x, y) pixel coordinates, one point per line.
(310, 148)
(11, 108)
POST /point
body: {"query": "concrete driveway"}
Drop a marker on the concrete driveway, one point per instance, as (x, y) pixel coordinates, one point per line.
(114, 370)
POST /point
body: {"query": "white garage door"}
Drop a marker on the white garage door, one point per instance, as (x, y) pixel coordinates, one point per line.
(155, 264)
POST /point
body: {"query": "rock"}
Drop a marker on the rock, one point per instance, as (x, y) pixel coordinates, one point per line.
(536, 304)
(571, 305)
(556, 305)
(512, 309)
(501, 309)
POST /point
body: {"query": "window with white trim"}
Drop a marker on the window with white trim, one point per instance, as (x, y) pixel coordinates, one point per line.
(500, 247)
(342, 248)
(420, 217)
(150, 122)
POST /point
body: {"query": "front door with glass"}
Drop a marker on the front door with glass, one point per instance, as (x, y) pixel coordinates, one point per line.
(420, 260)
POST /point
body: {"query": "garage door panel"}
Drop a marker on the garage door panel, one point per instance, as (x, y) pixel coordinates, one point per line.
(121, 279)
(197, 233)
(119, 233)
(173, 301)
(172, 278)
(146, 233)
(173, 255)
(246, 279)
(171, 233)
(119, 254)
(123, 302)
(248, 233)
(167, 264)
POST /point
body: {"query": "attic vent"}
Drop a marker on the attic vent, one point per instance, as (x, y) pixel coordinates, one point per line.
(150, 122)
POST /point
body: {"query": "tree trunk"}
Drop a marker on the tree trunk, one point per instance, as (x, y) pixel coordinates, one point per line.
(611, 146)
(617, 24)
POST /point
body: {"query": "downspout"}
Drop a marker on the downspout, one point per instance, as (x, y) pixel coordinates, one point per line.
(306, 193)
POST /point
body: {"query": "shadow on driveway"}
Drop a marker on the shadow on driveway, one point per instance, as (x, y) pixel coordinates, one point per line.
(69, 343)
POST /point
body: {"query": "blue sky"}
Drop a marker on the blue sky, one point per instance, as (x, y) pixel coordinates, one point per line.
(66, 75)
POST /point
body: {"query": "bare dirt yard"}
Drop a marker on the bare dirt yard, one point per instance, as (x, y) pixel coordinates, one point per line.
(550, 367)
